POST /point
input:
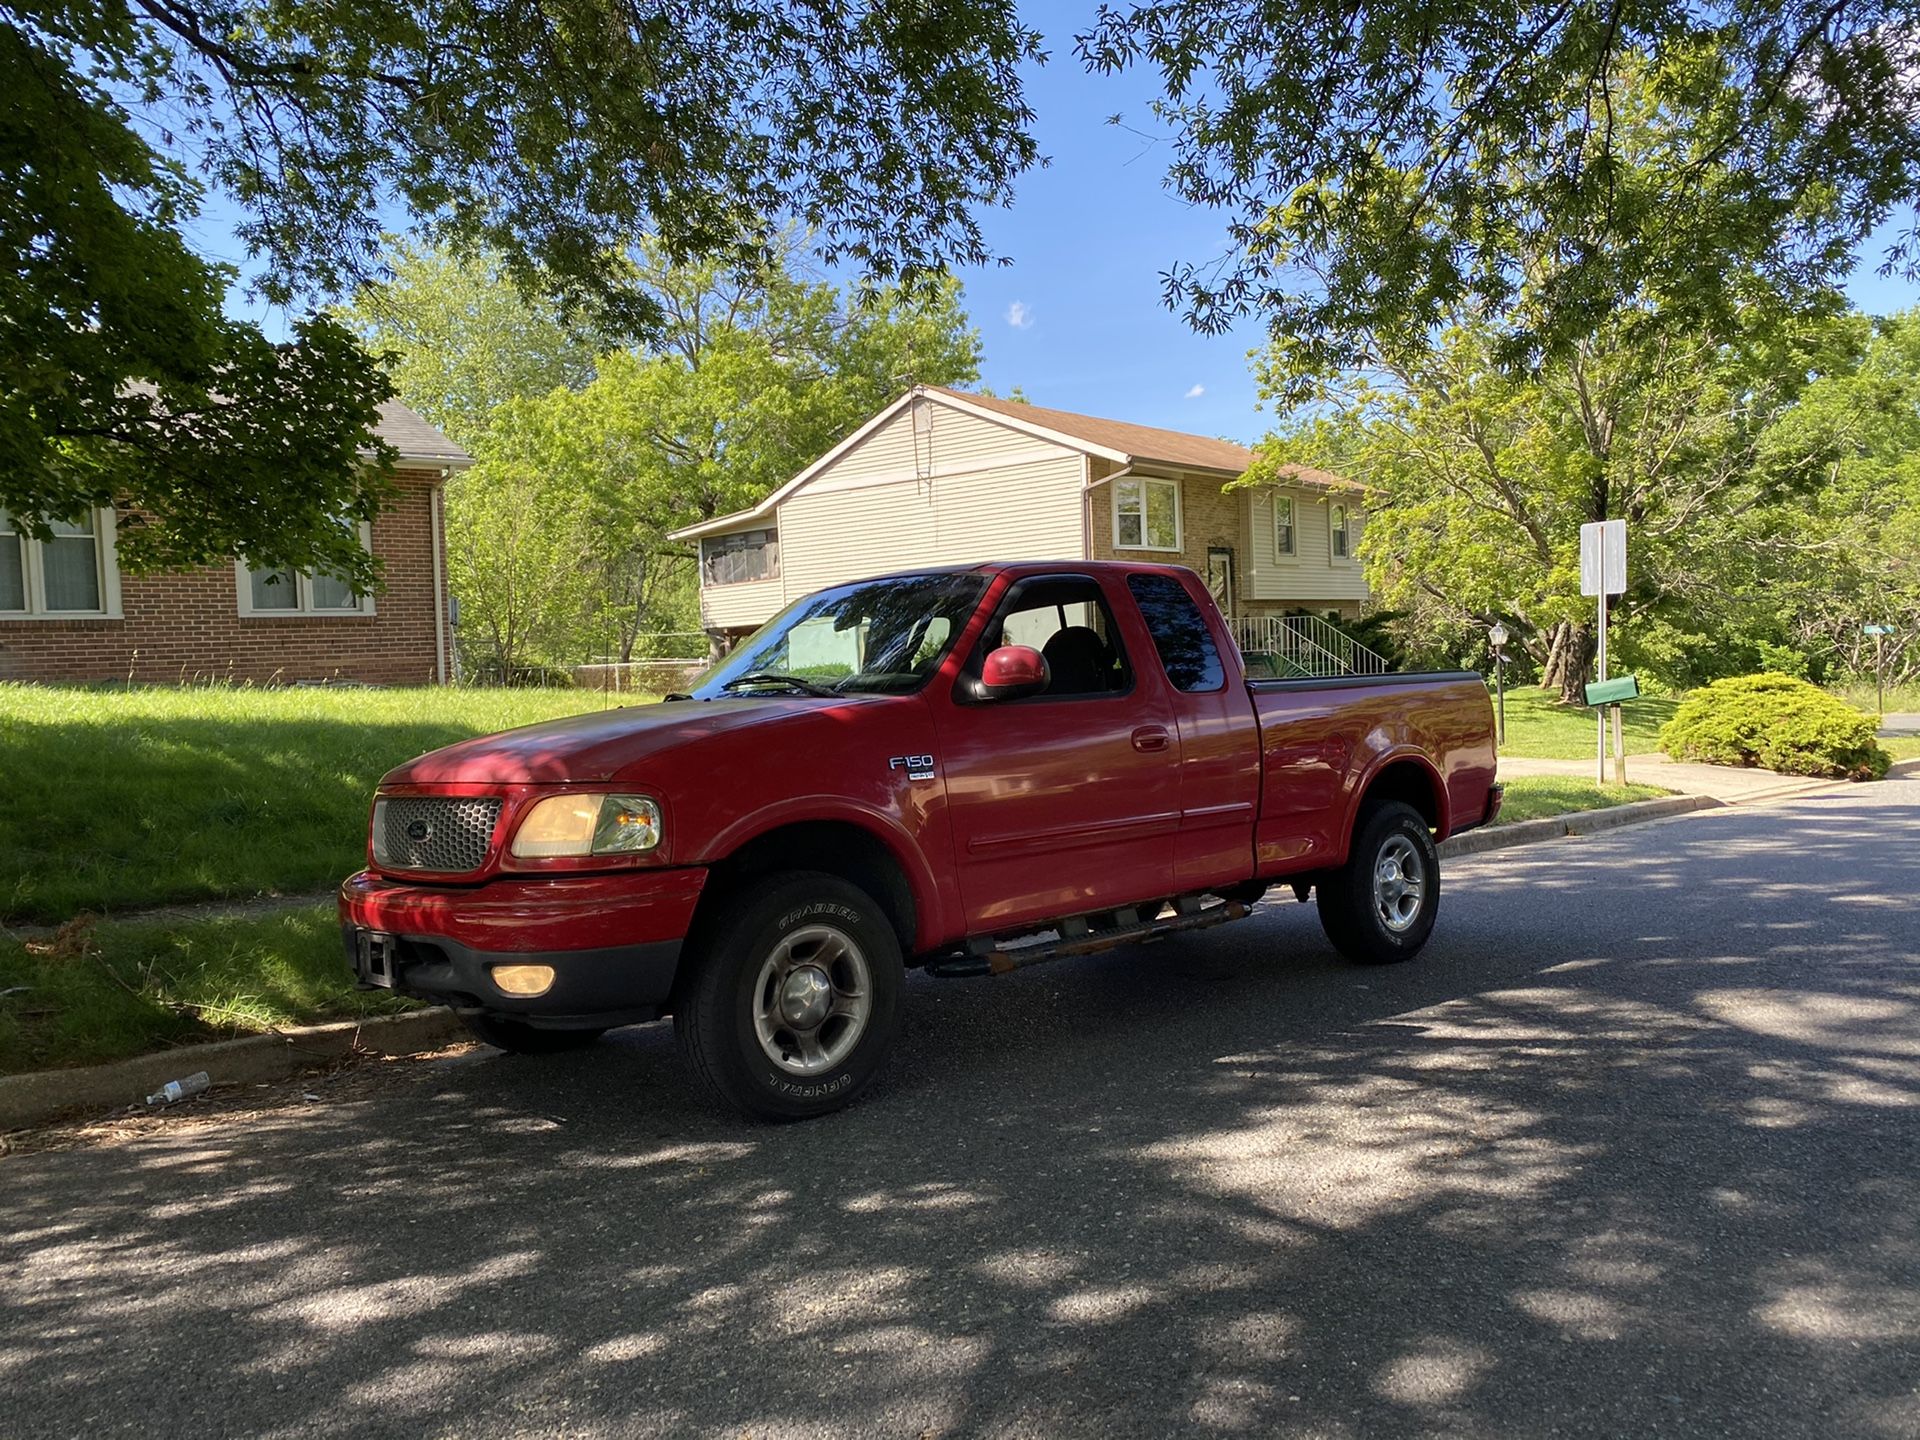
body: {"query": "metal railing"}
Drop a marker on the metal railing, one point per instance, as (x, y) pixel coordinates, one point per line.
(1300, 646)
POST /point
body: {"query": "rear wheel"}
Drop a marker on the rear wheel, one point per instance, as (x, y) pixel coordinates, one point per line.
(519, 1038)
(794, 1000)
(1380, 906)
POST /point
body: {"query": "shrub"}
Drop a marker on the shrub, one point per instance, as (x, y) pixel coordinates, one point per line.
(1777, 722)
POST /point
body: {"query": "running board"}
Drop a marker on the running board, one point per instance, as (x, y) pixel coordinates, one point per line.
(1077, 939)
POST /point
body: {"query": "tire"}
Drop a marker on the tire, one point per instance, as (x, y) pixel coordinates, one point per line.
(1364, 906)
(517, 1037)
(793, 947)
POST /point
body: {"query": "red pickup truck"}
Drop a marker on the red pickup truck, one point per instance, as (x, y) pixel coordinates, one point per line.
(967, 770)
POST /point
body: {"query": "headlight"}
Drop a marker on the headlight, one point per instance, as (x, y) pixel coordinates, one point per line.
(589, 825)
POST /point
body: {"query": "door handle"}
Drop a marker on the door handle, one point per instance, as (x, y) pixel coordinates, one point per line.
(1149, 738)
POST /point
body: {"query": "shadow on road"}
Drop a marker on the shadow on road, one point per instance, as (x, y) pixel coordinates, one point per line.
(1631, 1150)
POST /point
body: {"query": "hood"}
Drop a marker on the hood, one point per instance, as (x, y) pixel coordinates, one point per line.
(603, 744)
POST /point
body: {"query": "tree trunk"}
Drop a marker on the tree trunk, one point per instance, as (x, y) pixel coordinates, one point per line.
(1570, 662)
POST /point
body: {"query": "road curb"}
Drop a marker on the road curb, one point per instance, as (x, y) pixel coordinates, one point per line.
(1581, 822)
(41, 1095)
(1904, 767)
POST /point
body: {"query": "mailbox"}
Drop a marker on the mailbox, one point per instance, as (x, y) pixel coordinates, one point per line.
(1612, 692)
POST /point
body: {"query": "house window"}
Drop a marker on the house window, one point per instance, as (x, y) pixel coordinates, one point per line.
(1146, 514)
(71, 574)
(749, 555)
(278, 590)
(1340, 551)
(1283, 525)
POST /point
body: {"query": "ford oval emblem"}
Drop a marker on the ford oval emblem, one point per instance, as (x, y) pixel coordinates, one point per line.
(419, 831)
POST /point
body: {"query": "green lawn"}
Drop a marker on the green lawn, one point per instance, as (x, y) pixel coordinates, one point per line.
(1540, 728)
(122, 798)
(1535, 797)
(1901, 747)
(103, 992)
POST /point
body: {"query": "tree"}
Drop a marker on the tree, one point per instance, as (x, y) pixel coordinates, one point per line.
(1841, 547)
(464, 340)
(1480, 479)
(754, 373)
(545, 136)
(1387, 166)
(515, 536)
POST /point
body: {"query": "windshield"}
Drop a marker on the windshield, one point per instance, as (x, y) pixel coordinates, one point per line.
(875, 637)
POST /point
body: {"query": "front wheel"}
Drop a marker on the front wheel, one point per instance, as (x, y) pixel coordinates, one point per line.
(794, 999)
(1380, 906)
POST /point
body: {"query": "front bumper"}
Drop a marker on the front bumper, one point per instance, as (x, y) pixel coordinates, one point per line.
(613, 940)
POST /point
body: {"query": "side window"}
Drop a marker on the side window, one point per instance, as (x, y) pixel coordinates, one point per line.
(1180, 633)
(1067, 621)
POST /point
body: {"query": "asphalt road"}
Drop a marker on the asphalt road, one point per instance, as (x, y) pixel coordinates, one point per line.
(1631, 1150)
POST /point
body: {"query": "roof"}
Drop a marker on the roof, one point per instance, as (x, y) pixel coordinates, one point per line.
(414, 438)
(1137, 444)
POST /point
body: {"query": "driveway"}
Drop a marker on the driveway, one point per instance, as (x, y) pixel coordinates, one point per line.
(1632, 1150)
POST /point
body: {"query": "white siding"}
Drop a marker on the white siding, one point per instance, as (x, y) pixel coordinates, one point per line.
(1029, 511)
(947, 441)
(1311, 572)
(744, 604)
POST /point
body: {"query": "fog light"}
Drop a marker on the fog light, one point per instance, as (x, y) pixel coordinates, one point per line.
(524, 979)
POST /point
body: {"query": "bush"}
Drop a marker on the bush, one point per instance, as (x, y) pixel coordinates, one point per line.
(1777, 722)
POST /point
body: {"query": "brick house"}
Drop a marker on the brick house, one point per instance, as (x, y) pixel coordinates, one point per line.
(68, 614)
(945, 477)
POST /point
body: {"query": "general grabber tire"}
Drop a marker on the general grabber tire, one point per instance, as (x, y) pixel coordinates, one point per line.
(1379, 907)
(794, 998)
(519, 1038)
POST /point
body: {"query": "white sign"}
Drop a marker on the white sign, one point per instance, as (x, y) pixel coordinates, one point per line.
(1608, 537)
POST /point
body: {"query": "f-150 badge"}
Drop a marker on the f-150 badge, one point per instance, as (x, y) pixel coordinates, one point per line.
(918, 767)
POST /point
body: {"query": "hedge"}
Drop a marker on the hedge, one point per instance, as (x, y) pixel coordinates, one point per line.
(1776, 722)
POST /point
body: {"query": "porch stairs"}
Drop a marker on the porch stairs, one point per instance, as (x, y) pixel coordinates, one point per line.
(1297, 647)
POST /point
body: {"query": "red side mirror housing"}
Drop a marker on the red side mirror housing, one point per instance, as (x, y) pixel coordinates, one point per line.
(1010, 672)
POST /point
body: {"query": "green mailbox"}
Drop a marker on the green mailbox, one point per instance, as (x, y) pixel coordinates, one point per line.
(1612, 692)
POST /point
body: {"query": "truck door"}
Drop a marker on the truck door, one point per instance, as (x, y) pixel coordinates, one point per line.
(1219, 735)
(1068, 800)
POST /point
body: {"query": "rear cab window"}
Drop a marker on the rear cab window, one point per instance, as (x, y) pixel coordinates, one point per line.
(1180, 633)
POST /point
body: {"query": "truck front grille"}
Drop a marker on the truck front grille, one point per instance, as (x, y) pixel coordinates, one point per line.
(448, 836)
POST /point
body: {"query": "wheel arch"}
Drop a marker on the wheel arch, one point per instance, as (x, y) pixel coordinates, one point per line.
(861, 854)
(1407, 776)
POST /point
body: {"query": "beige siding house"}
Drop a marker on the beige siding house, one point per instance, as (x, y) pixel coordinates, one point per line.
(942, 477)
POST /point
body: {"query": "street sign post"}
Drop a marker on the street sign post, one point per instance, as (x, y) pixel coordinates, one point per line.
(1603, 572)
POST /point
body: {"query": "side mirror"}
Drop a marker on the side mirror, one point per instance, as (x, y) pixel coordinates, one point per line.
(1010, 672)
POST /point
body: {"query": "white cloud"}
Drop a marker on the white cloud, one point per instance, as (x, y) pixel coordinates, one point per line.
(1196, 392)
(1020, 315)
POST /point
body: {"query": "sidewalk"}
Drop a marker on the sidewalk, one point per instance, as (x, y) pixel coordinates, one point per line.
(1728, 783)
(1891, 725)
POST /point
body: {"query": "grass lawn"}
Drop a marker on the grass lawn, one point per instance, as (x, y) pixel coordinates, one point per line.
(122, 798)
(1534, 797)
(1540, 728)
(103, 992)
(1901, 747)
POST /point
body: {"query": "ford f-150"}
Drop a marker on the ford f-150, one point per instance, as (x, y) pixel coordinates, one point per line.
(966, 770)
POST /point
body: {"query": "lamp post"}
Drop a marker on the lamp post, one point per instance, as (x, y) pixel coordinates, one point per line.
(1498, 636)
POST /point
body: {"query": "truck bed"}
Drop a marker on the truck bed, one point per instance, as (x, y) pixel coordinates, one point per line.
(1323, 741)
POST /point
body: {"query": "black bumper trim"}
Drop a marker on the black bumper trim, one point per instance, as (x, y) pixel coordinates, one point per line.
(619, 985)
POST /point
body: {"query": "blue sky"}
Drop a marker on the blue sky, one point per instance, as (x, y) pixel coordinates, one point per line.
(1077, 319)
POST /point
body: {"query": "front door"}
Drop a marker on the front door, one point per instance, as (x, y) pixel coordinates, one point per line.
(1220, 579)
(1069, 800)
